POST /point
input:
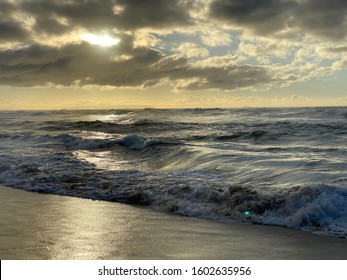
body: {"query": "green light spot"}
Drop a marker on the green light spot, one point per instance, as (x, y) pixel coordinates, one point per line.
(247, 213)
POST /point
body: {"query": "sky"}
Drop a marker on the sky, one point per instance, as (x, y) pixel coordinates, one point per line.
(80, 54)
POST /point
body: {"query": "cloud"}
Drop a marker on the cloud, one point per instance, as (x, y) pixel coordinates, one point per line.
(6, 7)
(293, 19)
(263, 17)
(336, 53)
(191, 50)
(214, 37)
(79, 63)
(40, 43)
(319, 18)
(154, 13)
(83, 64)
(96, 15)
(219, 61)
(340, 65)
(11, 31)
(255, 47)
(227, 78)
(323, 18)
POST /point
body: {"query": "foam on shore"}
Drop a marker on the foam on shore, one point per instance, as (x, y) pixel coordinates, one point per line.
(41, 226)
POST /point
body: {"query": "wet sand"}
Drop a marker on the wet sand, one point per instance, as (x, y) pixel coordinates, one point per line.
(41, 226)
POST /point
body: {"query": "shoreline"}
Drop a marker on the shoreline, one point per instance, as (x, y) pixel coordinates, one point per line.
(46, 226)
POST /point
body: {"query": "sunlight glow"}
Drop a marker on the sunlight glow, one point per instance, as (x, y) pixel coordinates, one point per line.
(101, 40)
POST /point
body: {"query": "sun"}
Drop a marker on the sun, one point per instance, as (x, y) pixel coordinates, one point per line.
(101, 40)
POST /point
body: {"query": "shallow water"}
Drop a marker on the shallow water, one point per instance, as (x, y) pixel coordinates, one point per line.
(269, 166)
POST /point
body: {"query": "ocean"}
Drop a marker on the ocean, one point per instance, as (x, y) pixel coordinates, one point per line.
(284, 166)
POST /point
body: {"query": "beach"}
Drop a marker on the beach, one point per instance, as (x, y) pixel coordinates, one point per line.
(45, 226)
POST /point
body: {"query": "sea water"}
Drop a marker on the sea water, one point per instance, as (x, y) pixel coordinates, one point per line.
(282, 167)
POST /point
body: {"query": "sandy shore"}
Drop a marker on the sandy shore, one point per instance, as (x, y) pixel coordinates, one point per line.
(38, 226)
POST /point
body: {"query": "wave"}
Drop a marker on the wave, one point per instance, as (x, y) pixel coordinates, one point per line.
(217, 131)
(317, 208)
(71, 142)
(133, 142)
(79, 125)
(256, 135)
(81, 141)
(111, 125)
(136, 142)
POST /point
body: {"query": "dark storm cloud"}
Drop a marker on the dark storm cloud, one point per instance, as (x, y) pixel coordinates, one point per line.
(154, 13)
(262, 16)
(50, 26)
(11, 31)
(122, 65)
(321, 18)
(6, 8)
(88, 64)
(107, 14)
(76, 13)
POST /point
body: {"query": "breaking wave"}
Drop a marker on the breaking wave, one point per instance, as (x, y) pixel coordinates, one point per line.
(320, 208)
